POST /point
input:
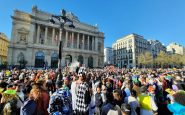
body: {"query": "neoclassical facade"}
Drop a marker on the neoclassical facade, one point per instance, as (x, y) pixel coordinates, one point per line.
(36, 41)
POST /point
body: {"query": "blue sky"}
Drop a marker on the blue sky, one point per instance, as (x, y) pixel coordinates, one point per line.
(163, 20)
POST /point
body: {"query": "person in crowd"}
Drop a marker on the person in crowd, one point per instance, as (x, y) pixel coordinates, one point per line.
(147, 104)
(117, 97)
(60, 100)
(83, 96)
(42, 99)
(132, 102)
(8, 104)
(20, 96)
(110, 108)
(98, 100)
(103, 94)
(178, 107)
(73, 92)
(125, 109)
(29, 105)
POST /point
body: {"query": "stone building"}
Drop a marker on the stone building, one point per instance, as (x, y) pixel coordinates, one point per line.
(4, 42)
(175, 48)
(36, 40)
(108, 55)
(127, 49)
(156, 47)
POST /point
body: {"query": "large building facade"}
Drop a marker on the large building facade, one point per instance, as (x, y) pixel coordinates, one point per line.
(108, 55)
(4, 42)
(175, 48)
(35, 40)
(127, 49)
(156, 47)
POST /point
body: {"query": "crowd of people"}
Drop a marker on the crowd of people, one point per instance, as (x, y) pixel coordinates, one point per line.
(106, 91)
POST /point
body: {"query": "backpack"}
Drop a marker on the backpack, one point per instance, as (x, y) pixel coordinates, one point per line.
(60, 102)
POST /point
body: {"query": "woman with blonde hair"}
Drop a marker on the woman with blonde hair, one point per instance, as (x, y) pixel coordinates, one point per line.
(42, 99)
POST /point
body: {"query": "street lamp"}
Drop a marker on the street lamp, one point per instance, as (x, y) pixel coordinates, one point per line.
(62, 20)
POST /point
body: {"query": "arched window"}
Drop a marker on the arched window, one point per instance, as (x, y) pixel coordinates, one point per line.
(20, 57)
(54, 60)
(68, 59)
(90, 62)
(80, 59)
(39, 59)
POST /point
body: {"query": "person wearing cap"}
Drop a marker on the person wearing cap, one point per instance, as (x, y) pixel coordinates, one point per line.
(8, 102)
(146, 102)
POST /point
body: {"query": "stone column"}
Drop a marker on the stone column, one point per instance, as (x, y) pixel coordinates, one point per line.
(38, 34)
(83, 40)
(72, 40)
(78, 37)
(88, 42)
(96, 44)
(92, 43)
(66, 39)
(46, 36)
(53, 36)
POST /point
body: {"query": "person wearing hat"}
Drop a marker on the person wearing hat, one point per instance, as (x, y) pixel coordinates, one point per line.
(178, 107)
(8, 102)
(146, 102)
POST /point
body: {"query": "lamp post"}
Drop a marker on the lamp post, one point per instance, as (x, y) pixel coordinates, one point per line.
(62, 20)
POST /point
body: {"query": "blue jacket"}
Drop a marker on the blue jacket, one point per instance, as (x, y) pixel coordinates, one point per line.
(177, 109)
(29, 107)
